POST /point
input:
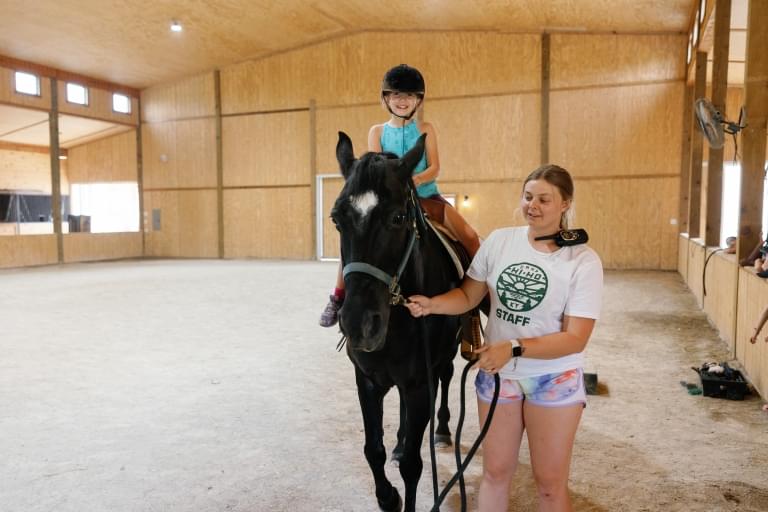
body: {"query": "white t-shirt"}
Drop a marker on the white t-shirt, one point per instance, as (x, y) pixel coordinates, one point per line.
(530, 292)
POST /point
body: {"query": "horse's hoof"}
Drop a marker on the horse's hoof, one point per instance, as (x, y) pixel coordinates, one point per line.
(443, 441)
(393, 504)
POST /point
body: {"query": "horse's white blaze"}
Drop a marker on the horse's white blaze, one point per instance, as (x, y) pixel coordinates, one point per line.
(364, 203)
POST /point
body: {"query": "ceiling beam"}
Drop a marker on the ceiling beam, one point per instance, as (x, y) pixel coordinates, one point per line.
(66, 76)
(28, 148)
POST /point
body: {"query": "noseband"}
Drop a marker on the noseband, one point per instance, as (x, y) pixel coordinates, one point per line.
(393, 282)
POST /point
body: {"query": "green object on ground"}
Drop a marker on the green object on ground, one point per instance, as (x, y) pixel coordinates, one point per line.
(693, 389)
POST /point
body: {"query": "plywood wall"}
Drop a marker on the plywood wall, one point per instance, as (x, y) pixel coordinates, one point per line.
(29, 170)
(188, 224)
(101, 246)
(753, 298)
(267, 150)
(23, 251)
(696, 268)
(105, 160)
(720, 301)
(178, 134)
(348, 70)
(682, 257)
(615, 123)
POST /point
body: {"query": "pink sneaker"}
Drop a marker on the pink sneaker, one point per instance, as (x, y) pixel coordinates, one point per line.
(330, 315)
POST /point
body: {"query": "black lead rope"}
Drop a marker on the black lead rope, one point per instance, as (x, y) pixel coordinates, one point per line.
(460, 466)
(704, 271)
(432, 397)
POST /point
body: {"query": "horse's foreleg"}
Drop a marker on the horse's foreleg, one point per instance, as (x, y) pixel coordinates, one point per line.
(371, 399)
(411, 465)
(397, 452)
(443, 431)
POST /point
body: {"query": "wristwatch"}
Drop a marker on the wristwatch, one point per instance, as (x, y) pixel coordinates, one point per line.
(517, 348)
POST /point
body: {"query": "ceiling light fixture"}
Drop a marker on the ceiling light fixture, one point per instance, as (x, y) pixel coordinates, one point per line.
(176, 26)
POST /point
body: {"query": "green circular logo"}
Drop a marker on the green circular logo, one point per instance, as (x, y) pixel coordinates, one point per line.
(522, 286)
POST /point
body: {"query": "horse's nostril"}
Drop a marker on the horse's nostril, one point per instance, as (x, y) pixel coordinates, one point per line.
(372, 325)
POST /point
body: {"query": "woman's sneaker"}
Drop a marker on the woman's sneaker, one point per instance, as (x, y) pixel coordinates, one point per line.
(330, 315)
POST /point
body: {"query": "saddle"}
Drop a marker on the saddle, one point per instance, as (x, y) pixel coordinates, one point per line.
(469, 332)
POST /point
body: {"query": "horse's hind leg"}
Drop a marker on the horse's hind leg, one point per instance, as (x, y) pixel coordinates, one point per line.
(443, 431)
(371, 399)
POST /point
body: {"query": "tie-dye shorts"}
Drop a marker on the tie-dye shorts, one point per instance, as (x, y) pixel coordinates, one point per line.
(551, 390)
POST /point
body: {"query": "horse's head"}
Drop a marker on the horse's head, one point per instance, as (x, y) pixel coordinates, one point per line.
(374, 216)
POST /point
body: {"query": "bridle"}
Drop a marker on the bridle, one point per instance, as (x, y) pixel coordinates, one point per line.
(393, 281)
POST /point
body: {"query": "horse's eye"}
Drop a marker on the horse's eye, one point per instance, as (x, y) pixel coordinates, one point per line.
(398, 219)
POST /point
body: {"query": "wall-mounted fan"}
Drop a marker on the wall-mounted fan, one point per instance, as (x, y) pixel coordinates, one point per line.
(714, 126)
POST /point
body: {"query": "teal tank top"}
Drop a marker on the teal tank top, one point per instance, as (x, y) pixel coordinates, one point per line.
(399, 141)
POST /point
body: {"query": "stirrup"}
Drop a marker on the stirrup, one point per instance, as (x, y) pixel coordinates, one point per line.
(471, 338)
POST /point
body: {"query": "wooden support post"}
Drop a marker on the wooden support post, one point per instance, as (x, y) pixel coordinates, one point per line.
(685, 161)
(55, 150)
(753, 141)
(219, 162)
(719, 90)
(140, 182)
(545, 53)
(697, 149)
(313, 173)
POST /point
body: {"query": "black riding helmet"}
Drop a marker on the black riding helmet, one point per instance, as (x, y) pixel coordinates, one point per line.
(403, 78)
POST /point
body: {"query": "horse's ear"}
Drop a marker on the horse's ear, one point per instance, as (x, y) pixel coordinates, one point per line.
(345, 154)
(411, 159)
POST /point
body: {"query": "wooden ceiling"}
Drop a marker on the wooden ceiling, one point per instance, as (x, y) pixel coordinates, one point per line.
(128, 42)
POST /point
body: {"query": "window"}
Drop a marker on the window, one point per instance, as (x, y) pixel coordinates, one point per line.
(702, 10)
(112, 207)
(696, 33)
(121, 103)
(729, 220)
(27, 83)
(77, 94)
(690, 49)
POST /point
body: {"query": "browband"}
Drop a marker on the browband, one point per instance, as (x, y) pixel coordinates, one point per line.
(567, 237)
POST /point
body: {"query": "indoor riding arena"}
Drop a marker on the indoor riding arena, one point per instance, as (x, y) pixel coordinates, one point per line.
(168, 172)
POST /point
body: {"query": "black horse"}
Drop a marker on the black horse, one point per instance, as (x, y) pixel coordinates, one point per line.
(388, 254)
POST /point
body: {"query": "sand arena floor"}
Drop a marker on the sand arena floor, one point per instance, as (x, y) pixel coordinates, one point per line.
(189, 385)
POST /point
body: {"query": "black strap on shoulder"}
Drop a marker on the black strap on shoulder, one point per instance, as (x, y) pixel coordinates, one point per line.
(567, 237)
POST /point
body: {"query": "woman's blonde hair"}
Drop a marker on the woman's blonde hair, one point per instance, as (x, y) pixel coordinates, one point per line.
(560, 178)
